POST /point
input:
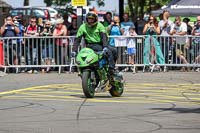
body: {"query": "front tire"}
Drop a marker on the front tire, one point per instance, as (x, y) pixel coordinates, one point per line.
(117, 88)
(88, 84)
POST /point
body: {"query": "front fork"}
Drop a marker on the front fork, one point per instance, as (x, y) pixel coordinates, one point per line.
(102, 73)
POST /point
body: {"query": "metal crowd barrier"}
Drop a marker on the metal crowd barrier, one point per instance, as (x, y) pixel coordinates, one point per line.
(22, 53)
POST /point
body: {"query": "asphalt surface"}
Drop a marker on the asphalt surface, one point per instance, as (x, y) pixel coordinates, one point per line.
(54, 103)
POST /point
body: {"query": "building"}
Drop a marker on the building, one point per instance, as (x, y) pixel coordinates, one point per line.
(4, 8)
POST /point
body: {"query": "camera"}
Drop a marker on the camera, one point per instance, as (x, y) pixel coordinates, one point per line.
(8, 23)
(16, 23)
(175, 28)
(196, 26)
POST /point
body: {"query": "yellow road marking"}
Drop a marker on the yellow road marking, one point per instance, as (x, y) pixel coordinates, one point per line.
(133, 93)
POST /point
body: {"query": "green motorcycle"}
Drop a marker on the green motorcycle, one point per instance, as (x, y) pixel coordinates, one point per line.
(93, 69)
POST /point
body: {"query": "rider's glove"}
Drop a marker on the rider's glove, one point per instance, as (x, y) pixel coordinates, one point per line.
(73, 54)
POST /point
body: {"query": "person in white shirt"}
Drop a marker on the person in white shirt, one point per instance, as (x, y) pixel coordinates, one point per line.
(165, 24)
(165, 27)
(179, 29)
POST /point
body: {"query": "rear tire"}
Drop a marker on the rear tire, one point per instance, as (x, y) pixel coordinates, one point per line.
(88, 84)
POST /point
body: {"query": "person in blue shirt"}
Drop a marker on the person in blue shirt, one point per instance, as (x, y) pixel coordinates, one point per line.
(114, 29)
(126, 24)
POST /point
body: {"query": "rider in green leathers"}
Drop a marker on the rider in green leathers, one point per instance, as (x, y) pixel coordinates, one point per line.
(95, 36)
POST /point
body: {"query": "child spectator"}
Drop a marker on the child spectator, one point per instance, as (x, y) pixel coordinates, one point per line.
(131, 48)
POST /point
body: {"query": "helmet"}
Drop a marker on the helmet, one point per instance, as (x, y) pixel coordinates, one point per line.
(91, 15)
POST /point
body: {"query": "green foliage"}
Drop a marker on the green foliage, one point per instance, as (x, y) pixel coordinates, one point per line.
(139, 7)
(26, 2)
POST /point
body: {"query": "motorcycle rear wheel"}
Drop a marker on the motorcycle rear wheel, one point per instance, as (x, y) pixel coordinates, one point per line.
(88, 84)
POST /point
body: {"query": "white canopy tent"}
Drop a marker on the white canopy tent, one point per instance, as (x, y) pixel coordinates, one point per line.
(181, 8)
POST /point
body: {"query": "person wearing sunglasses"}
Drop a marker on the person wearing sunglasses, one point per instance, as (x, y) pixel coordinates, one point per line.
(31, 44)
(152, 50)
(179, 30)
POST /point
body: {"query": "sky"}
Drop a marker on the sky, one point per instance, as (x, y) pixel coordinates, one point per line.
(110, 5)
(18, 3)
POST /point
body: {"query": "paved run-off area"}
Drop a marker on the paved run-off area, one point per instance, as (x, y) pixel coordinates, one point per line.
(53, 103)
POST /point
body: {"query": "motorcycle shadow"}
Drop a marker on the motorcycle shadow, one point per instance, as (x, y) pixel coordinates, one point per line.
(97, 96)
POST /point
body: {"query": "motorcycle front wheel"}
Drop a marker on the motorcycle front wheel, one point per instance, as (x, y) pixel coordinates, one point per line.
(88, 84)
(117, 88)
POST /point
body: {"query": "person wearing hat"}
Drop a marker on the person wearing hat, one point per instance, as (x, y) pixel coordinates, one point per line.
(60, 50)
(60, 29)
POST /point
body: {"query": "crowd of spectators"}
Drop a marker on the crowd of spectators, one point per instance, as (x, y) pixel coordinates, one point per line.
(32, 49)
(156, 50)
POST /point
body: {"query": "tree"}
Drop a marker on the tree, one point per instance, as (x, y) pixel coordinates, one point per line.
(26, 2)
(139, 7)
(48, 2)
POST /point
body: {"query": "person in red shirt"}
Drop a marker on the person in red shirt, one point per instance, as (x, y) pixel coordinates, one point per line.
(61, 42)
(32, 45)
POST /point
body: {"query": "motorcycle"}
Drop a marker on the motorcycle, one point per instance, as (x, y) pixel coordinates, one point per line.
(93, 69)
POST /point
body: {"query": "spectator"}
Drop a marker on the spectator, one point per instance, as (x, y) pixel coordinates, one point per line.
(47, 46)
(10, 29)
(73, 28)
(196, 41)
(31, 44)
(126, 24)
(165, 27)
(131, 48)
(151, 29)
(65, 18)
(107, 19)
(140, 23)
(179, 29)
(61, 43)
(18, 20)
(114, 30)
(189, 41)
(189, 27)
(161, 16)
(165, 24)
